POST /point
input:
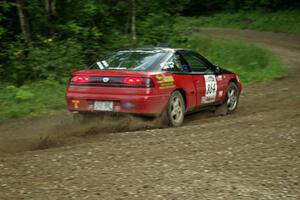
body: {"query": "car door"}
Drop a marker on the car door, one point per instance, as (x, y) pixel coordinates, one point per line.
(204, 78)
(183, 78)
(214, 86)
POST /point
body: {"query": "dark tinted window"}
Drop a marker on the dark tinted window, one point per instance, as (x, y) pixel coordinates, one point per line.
(129, 60)
(195, 62)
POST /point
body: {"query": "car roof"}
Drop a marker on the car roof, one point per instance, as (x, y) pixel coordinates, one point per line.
(153, 49)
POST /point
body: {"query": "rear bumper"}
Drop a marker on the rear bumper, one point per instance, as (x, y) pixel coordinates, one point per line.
(137, 104)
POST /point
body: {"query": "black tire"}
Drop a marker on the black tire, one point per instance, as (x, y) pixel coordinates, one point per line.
(175, 110)
(231, 101)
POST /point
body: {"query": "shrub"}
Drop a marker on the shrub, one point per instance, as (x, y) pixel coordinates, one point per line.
(50, 60)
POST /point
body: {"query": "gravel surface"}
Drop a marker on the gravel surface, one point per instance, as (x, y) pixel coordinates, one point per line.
(251, 154)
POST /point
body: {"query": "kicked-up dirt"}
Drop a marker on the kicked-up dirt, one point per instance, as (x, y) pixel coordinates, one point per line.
(251, 154)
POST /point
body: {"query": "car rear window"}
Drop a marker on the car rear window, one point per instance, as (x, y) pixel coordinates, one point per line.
(130, 60)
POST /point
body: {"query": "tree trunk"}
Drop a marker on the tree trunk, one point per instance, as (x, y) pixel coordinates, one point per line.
(24, 21)
(128, 18)
(51, 13)
(133, 16)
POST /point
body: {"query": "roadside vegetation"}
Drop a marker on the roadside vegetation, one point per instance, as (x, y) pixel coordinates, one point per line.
(32, 99)
(287, 21)
(48, 39)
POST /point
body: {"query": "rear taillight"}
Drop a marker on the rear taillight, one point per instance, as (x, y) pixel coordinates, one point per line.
(133, 81)
(112, 81)
(138, 82)
(80, 79)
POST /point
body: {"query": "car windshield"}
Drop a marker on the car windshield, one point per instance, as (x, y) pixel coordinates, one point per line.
(130, 60)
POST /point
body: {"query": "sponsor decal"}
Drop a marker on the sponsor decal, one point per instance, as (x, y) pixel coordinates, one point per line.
(165, 82)
(76, 103)
(210, 89)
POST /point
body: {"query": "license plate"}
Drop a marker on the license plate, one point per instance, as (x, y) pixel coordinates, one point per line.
(103, 105)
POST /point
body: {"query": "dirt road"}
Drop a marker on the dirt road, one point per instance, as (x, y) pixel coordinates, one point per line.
(251, 154)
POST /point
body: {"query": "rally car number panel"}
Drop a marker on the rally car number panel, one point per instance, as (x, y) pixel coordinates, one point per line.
(210, 89)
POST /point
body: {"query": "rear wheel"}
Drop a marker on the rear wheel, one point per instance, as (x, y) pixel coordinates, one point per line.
(175, 109)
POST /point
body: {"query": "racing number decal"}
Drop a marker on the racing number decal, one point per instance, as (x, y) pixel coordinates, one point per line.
(210, 89)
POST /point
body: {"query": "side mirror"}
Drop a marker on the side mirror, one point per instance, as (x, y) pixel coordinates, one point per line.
(217, 70)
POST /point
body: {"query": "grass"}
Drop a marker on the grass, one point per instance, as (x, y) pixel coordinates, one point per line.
(282, 21)
(34, 99)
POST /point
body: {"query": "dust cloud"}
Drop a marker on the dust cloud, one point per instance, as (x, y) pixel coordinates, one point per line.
(64, 130)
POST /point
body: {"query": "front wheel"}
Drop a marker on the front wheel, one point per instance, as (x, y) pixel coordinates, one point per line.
(232, 97)
(231, 101)
(175, 109)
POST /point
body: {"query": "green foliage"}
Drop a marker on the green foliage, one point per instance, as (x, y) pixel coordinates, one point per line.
(80, 32)
(155, 28)
(49, 60)
(197, 8)
(55, 60)
(281, 21)
(34, 99)
(171, 7)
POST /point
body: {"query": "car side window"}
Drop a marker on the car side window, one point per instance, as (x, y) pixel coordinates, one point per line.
(175, 64)
(195, 63)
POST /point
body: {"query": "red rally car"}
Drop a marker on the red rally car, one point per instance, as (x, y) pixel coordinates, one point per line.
(153, 82)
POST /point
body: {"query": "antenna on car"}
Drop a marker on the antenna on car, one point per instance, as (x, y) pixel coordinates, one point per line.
(163, 45)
